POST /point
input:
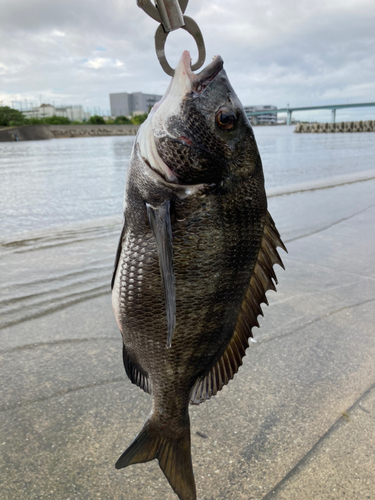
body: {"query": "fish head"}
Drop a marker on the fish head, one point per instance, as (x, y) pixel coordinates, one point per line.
(199, 132)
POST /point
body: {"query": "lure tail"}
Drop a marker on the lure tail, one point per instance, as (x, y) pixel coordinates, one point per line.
(173, 453)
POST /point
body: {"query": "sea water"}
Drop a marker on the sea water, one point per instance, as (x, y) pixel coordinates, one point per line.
(61, 207)
(46, 184)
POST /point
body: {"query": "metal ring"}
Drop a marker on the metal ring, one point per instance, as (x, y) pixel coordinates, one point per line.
(192, 27)
(161, 37)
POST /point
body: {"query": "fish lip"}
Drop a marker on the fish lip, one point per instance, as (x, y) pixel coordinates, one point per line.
(198, 81)
(207, 75)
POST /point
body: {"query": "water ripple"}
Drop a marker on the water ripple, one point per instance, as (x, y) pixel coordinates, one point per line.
(48, 270)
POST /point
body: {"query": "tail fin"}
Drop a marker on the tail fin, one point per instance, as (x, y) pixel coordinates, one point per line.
(173, 453)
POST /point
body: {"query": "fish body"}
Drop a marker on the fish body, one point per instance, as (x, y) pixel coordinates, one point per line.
(195, 259)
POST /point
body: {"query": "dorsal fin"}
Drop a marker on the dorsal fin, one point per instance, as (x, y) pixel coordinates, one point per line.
(262, 280)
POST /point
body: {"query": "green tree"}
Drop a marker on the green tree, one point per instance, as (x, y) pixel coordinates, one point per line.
(97, 120)
(122, 120)
(138, 119)
(57, 120)
(35, 121)
(8, 115)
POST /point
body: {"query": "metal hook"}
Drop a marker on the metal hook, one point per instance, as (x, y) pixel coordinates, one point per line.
(170, 14)
(161, 37)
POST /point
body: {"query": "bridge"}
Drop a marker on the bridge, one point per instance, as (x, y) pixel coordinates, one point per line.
(289, 111)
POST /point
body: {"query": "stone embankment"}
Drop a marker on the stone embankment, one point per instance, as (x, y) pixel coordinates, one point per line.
(40, 132)
(28, 133)
(61, 131)
(342, 127)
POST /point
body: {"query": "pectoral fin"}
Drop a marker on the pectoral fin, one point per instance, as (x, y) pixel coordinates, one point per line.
(160, 221)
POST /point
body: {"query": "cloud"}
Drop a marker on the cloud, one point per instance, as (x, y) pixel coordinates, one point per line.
(58, 33)
(275, 51)
(102, 62)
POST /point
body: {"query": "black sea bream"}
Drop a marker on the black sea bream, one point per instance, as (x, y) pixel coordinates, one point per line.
(195, 259)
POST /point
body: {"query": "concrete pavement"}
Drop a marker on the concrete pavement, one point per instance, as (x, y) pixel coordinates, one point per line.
(297, 422)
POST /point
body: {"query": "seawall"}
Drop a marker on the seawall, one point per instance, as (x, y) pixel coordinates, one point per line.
(61, 131)
(40, 132)
(27, 133)
(342, 127)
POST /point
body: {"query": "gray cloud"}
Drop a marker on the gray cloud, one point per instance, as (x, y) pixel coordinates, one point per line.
(277, 52)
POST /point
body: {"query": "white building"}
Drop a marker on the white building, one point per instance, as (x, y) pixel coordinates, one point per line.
(73, 113)
(261, 119)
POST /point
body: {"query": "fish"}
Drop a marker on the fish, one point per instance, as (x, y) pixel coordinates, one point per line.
(194, 262)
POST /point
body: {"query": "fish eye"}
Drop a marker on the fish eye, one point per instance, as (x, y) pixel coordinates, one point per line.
(226, 119)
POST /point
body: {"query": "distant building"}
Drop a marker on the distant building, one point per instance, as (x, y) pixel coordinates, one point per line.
(124, 104)
(262, 119)
(73, 113)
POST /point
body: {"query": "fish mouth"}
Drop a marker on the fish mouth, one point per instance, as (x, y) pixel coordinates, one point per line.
(193, 82)
(198, 81)
(208, 74)
(185, 82)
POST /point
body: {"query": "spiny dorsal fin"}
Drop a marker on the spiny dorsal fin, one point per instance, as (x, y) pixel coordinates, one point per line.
(135, 374)
(263, 279)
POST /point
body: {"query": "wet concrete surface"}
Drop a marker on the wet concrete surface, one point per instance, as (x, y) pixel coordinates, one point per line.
(334, 470)
(284, 428)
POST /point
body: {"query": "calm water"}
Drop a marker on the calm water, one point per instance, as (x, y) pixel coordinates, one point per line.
(53, 183)
(61, 205)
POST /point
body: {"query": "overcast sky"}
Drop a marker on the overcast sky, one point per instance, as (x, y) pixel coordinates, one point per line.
(300, 52)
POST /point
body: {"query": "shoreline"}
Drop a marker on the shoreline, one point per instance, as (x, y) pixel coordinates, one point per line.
(44, 132)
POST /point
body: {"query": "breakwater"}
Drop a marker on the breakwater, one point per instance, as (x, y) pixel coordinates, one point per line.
(27, 133)
(40, 132)
(342, 127)
(61, 131)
